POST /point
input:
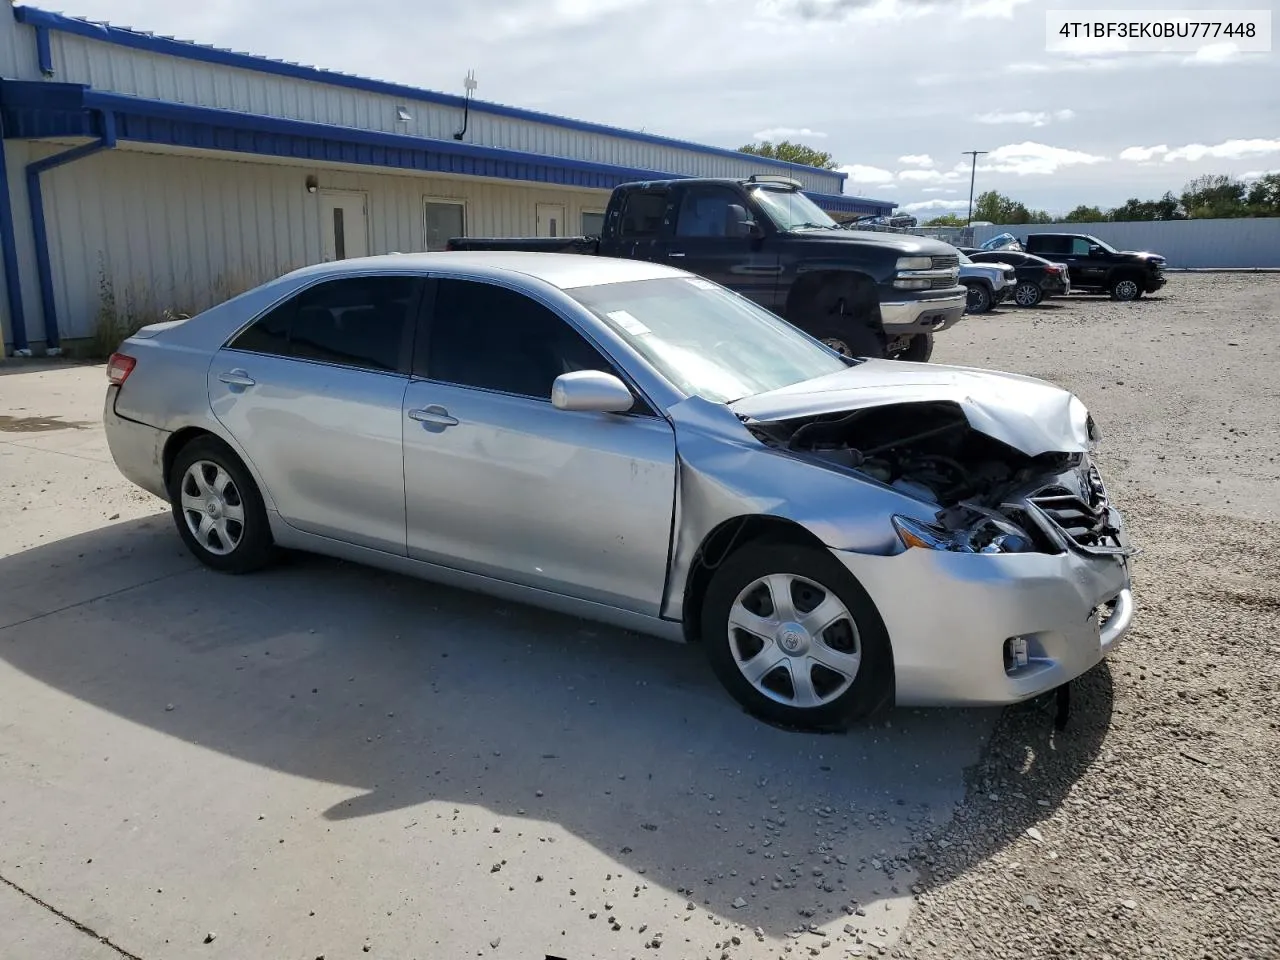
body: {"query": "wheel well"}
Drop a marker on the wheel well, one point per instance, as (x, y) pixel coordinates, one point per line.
(810, 289)
(173, 446)
(726, 539)
(976, 282)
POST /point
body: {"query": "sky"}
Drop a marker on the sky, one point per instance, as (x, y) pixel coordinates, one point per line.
(895, 90)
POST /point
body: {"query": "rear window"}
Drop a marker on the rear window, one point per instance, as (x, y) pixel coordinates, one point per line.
(642, 214)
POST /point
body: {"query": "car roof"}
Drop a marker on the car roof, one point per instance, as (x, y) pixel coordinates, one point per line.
(563, 270)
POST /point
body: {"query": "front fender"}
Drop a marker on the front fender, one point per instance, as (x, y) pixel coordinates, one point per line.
(723, 471)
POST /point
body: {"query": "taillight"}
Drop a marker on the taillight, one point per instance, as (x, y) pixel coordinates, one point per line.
(119, 367)
(1053, 269)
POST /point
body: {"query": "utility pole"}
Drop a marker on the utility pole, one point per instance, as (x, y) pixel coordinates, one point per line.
(973, 172)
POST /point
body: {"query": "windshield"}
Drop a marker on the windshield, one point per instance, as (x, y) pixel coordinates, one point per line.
(790, 209)
(709, 342)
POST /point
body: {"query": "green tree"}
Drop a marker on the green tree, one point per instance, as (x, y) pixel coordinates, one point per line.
(1214, 195)
(792, 153)
(997, 208)
(1264, 196)
(946, 220)
(1166, 208)
(1085, 214)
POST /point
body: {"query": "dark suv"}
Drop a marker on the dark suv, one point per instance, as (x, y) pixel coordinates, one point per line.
(1098, 267)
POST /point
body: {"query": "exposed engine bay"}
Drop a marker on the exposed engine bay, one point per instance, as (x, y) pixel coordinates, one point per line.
(981, 487)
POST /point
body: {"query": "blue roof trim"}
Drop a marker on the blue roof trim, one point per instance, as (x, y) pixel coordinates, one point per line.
(168, 46)
(35, 109)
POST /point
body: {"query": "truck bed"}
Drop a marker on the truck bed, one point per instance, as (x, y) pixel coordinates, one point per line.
(580, 245)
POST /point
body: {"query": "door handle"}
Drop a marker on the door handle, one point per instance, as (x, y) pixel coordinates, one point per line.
(675, 253)
(237, 378)
(434, 415)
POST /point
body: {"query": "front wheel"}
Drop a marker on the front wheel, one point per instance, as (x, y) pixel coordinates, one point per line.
(916, 349)
(856, 341)
(979, 299)
(217, 508)
(1027, 294)
(1125, 289)
(795, 639)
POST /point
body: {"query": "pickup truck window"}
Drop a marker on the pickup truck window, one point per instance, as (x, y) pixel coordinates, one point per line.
(1079, 247)
(790, 209)
(711, 211)
(642, 214)
(707, 341)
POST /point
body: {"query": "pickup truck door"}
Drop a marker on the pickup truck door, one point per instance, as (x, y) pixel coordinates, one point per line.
(645, 215)
(716, 236)
(1087, 269)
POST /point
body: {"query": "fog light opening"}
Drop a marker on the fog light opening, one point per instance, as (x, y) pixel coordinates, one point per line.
(1016, 654)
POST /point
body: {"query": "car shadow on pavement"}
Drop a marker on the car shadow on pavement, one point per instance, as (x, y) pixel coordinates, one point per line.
(405, 693)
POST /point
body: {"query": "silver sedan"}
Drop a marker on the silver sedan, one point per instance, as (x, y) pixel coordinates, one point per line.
(633, 444)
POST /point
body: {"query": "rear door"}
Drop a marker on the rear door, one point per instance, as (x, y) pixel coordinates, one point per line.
(712, 237)
(312, 393)
(645, 216)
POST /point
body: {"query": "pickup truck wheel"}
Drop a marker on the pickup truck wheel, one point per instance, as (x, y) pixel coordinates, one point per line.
(918, 349)
(979, 300)
(843, 313)
(853, 343)
(1027, 294)
(1126, 288)
(795, 639)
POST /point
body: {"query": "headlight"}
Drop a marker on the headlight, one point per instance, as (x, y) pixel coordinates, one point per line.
(988, 535)
(912, 284)
(914, 263)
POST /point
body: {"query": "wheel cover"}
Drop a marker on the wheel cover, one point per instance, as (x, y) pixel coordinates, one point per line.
(212, 507)
(978, 298)
(1127, 289)
(839, 346)
(794, 641)
(1026, 295)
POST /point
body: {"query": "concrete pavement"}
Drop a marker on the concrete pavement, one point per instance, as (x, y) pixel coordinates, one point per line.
(323, 759)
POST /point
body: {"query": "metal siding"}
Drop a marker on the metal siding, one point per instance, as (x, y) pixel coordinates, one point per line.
(1206, 244)
(181, 232)
(108, 67)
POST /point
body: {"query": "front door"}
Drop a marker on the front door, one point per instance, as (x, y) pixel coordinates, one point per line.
(344, 225)
(501, 483)
(312, 393)
(711, 239)
(551, 220)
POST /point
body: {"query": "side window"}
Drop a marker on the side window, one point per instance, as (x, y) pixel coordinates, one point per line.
(493, 338)
(710, 212)
(355, 322)
(1049, 245)
(1079, 246)
(642, 214)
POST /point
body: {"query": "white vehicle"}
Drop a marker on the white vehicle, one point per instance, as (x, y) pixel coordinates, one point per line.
(987, 283)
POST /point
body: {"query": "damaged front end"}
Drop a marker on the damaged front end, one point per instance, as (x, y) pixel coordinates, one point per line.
(979, 494)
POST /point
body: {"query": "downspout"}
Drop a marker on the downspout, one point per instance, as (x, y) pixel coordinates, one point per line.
(12, 282)
(36, 201)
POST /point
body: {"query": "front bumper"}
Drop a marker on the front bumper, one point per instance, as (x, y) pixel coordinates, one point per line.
(1155, 283)
(909, 317)
(949, 614)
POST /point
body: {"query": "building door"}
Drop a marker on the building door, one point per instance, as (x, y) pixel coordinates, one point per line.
(551, 220)
(444, 220)
(344, 226)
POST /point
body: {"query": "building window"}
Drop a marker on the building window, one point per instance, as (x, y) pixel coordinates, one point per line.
(592, 223)
(444, 220)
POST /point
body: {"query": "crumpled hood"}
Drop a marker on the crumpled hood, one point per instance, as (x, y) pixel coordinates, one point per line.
(1030, 415)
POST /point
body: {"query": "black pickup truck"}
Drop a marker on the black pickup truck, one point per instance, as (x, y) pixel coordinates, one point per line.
(1097, 267)
(861, 293)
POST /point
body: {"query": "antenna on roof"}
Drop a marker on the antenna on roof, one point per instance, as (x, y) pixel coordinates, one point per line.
(469, 85)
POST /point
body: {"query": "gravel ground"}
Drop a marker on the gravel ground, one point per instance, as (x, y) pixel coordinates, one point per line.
(1150, 826)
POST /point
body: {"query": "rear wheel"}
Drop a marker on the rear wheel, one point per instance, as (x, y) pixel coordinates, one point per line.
(218, 509)
(795, 639)
(1126, 288)
(1027, 294)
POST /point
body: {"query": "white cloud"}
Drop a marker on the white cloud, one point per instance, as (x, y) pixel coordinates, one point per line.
(1227, 150)
(917, 160)
(1030, 157)
(1214, 53)
(1143, 154)
(938, 190)
(1257, 174)
(939, 206)
(774, 134)
(858, 173)
(929, 176)
(842, 10)
(1038, 118)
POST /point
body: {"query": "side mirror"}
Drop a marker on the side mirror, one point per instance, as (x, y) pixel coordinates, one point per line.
(592, 391)
(1094, 250)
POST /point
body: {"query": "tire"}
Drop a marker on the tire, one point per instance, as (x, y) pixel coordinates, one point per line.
(979, 299)
(738, 591)
(919, 350)
(853, 342)
(233, 535)
(1126, 289)
(845, 315)
(1027, 294)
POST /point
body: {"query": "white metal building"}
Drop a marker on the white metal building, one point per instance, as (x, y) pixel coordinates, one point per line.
(144, 173)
